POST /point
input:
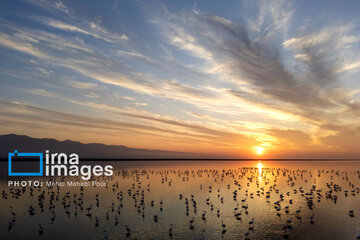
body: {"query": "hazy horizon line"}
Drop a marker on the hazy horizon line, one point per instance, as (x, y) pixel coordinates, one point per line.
(215, 159)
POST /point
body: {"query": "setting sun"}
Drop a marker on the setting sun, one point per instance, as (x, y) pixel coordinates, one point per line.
(259, 150)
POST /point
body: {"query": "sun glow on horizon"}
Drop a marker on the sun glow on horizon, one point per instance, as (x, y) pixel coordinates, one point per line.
(259, 150)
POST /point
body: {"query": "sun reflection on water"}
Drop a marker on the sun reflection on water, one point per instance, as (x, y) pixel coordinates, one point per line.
(259, 166)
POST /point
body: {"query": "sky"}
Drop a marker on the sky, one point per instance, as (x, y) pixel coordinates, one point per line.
(242, 79)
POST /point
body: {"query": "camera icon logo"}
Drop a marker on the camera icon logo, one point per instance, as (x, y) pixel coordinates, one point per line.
(33, 155)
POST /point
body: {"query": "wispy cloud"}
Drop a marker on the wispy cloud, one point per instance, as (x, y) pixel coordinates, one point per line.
(89, 28)
(47, 5)
(40, 118)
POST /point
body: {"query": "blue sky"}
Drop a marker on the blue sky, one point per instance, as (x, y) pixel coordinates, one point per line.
(225, 78)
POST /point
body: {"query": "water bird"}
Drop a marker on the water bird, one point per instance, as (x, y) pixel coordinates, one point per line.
(128, 231)
(351, 213)
(41, 229)
(170, 230)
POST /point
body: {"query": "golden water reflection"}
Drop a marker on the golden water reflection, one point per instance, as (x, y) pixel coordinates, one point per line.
(280, 198)
(259, 166)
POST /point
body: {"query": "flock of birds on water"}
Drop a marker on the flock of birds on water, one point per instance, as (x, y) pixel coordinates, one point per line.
(246, 184)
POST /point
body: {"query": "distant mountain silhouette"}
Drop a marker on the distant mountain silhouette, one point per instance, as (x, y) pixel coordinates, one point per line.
(11, 142)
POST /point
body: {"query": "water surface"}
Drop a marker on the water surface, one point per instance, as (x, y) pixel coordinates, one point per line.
(295, 200)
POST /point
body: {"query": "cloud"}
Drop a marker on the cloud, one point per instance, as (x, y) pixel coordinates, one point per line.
(57, 6)
(198, 115)
(14, 43)
(81, 85)
(345, 140)
(290, 137)
(274, 17)
(90, 28)
(91, 63)
(349, 66)
(15, 114)
(310, 89)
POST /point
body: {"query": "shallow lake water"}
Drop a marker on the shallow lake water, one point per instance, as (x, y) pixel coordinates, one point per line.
(253, 199)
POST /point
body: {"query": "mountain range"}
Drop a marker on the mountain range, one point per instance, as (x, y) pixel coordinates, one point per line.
(22, 143)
